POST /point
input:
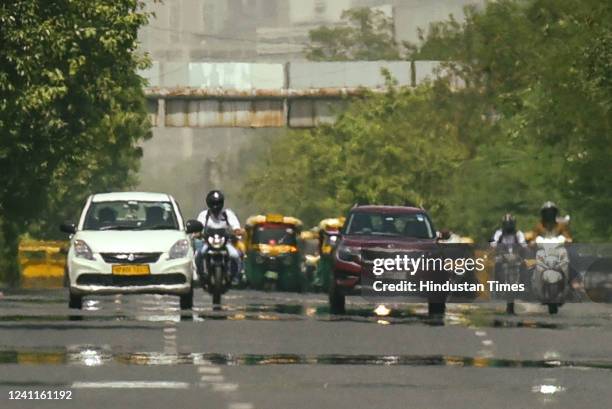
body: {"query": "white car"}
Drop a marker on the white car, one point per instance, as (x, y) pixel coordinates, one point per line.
(130, 242)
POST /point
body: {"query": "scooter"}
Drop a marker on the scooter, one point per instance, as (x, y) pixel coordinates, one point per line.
(550, 278)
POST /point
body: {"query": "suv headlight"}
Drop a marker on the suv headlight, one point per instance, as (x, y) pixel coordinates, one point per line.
(180, 249)
(350, 254)
(216, 241)
(82, 250)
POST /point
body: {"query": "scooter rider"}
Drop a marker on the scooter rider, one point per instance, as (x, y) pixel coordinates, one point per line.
(548, 225)
(216, 217)
(508, 235)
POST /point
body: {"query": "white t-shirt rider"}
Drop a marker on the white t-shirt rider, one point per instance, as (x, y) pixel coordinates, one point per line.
(226, 219)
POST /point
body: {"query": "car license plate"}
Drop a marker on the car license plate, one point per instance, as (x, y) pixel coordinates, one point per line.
(131, 270)
(272, 275)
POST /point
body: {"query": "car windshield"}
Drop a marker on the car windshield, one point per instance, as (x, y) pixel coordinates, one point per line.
(130, 215)
(416, 225)
(274, 235)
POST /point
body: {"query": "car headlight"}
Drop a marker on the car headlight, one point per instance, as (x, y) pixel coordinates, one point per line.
(180, 249)
(351, 254)
(216, 241)
(82, 250)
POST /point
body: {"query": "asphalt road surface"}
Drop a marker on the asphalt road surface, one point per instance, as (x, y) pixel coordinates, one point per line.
(282, 350)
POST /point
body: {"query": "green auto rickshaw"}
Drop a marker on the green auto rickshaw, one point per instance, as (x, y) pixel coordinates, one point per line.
(273, 258)
(329, 230)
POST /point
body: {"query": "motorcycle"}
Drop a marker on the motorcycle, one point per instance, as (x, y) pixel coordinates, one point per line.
(217, 279)
(550, 278)
(508, 263)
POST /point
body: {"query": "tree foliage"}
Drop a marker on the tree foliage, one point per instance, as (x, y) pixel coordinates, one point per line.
(530, 123)
(71, 108)
(535, 68)
(366, 34)
(374, 153)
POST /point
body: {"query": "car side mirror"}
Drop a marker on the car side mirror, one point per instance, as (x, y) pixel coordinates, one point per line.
(193, 226)
(68, 227)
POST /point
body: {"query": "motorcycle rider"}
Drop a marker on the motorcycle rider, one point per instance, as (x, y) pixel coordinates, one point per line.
(509, 244)
(508, 234)
(549, 225)
(216, 217)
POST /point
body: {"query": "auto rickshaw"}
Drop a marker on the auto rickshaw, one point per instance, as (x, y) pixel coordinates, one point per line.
(273, 259)
(42, 263)
(329, 229)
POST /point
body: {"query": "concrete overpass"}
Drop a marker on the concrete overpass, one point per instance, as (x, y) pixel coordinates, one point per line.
(256, 95)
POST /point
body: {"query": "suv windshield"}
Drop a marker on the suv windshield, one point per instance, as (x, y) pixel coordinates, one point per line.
(130, 215)
(415, 225)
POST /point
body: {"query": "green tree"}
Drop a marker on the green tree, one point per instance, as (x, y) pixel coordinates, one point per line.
(72, 109)
(529, 122)
(541, 68)
(367, 34)
(392, 148)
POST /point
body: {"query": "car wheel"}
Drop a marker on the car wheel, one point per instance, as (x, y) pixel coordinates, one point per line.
(75, 301)
(337, 301)
(436, 308)
(187, 300)
(66, 280)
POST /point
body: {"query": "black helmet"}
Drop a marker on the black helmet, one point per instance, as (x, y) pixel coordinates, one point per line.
(508, 224)
(215, 201)
(549, 212)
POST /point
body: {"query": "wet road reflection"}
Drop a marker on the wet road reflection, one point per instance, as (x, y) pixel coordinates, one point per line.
(91, 355)
(146, 341)
(254, 312)
(163, 308)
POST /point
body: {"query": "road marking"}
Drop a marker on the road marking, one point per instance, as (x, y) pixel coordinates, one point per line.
(131, 385)
(487, 342)
(209, 369)
(224, 387)
(547, 389)
(169, 335)
(481, 333)
(240, 405)
(212, 378)
(484, 354)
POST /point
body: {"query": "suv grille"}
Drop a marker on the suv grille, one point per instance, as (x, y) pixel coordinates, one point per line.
(130, 258)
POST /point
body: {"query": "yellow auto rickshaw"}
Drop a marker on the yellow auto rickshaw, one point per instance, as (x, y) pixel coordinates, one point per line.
(42, 263)
(273, 258)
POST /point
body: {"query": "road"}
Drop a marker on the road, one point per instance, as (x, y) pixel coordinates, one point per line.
(282, 350)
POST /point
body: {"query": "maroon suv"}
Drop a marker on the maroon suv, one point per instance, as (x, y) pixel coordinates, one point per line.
(377, 228)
